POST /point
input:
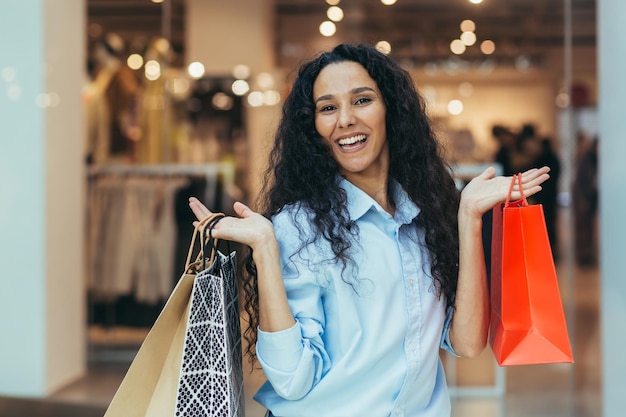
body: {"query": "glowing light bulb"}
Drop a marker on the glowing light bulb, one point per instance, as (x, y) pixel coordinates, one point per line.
(328, 28)
(457, 47)
(468, 26)
(195, 70)
(488, 47)
(455, 107)
(134, 61)
(335, 13)
(468, 38)
(384, 47)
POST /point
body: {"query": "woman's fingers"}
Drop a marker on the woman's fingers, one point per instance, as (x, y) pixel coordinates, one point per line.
(198, 209)
(242, 210)
(246, 227)
(531, 182)
(488, 173)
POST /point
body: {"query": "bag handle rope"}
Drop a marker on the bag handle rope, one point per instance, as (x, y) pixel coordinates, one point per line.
(518, 178)
(210, 220)
(207, 232)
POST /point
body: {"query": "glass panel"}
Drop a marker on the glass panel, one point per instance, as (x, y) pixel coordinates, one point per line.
(496, 76)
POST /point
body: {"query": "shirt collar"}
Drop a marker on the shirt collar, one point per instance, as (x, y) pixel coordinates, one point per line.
(360, 203)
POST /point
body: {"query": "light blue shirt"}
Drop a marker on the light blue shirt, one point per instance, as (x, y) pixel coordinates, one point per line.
(369, 348)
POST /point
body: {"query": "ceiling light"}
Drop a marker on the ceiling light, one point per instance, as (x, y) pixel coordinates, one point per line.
(222, 101)
(335, 13)
(457, 47)
(468, 26)
(455, 107)
(468, 38)
(488, 47)
(241, 71)
(475, 1)
(134, 61)
(195, 70)
(255, 99)
(271, 97)
(240, 87)
(265, 81)
(384, 47)
(388, 2)
(328, 28)
(152, 70)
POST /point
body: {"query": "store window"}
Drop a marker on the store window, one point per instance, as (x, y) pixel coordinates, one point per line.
(505, 82)
(158, 131)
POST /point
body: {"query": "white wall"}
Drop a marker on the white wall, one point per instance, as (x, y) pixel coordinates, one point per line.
(22, 201)
(65, 286)
(612, 62)
(41, 302)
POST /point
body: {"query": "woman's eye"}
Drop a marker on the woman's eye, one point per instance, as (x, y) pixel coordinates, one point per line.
(327, 108)
(363, 100)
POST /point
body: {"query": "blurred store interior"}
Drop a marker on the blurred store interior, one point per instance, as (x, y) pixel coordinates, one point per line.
(144, 103)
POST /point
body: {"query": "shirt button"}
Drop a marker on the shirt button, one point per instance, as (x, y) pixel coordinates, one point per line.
(412, 348)
(397, 411)
(411, 282)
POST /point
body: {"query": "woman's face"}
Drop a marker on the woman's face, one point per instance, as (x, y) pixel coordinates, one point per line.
(350, 116)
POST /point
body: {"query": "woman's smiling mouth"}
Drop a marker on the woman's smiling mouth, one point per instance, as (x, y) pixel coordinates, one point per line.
(356, 139)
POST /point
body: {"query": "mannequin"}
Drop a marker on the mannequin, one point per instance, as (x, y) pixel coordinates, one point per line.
(111, 105)
(162, 131)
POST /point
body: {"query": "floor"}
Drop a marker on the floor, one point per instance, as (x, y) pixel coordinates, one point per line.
(479, 389)
(541, 391)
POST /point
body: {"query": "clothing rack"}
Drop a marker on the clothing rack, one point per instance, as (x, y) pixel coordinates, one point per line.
(219, 180)
(165, 169)
(210, 171)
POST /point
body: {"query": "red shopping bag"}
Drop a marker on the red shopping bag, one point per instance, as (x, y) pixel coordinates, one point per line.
(527, 321)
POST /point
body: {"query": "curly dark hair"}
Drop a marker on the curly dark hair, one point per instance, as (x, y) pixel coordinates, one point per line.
(302, 170)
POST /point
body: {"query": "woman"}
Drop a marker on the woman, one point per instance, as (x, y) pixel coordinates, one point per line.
(372, 260)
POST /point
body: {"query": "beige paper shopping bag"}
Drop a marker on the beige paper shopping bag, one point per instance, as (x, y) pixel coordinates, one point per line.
(150, 387)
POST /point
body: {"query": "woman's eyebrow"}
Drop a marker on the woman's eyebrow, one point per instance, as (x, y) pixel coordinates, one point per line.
(354, 91)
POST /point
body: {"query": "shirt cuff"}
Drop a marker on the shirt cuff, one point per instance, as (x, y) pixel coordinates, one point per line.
(445, 343)
(280, 350)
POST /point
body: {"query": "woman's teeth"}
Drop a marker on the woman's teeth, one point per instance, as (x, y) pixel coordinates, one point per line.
(352, 140)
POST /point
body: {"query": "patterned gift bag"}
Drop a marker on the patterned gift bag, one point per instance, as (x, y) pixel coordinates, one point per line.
(190, 363)
(211, 377)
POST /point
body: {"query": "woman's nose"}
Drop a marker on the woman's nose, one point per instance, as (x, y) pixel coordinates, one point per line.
(346, 117)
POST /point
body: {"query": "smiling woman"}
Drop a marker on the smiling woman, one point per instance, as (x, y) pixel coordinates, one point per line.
(350, 116)
(365, 259)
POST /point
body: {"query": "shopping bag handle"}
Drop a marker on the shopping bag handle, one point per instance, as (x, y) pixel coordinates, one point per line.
(518, 178)
(200, 227)
(207, 233)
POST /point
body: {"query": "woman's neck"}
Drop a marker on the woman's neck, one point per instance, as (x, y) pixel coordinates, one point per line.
(376, 187)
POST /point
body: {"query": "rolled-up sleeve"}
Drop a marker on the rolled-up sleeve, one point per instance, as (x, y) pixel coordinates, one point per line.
(292, 363)
(445, 343)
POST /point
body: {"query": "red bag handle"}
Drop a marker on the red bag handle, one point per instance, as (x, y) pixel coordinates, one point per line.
(518, 178)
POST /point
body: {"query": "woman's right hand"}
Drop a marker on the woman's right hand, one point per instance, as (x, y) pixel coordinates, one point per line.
(256, 231)
(249, 228)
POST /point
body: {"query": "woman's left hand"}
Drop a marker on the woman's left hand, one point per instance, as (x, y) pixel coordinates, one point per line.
(483, 192)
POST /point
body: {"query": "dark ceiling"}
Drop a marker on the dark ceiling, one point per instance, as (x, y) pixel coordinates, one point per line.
(418, 30)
